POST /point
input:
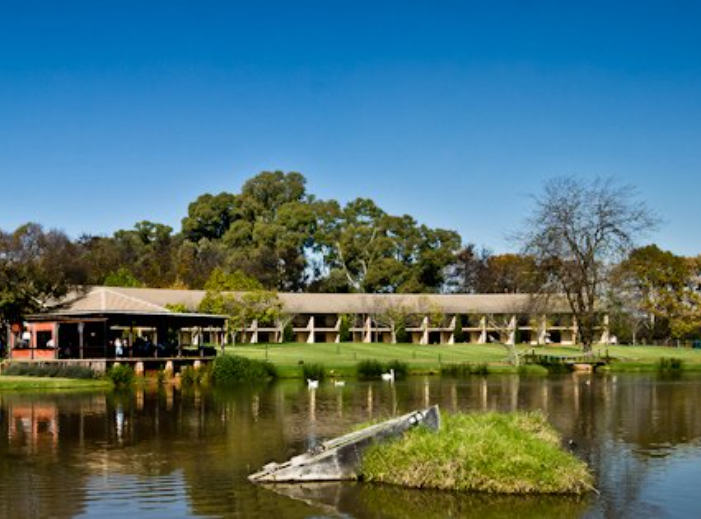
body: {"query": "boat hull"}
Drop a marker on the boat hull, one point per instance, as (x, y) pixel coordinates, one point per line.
(340, 458)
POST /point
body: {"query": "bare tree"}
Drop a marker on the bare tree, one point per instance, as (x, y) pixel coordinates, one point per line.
(577, 231)
(392, 314)
(505, 326)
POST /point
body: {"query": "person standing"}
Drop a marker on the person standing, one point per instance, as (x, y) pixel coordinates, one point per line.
(118, 349)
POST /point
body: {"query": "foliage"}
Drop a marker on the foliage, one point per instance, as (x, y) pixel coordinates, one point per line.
(234, 369)
(121, 375)
(367, 250)
(288, 333)
(481, 272)
(576, 231)
(370, 369)
(517, 453)
(392, 314)
(236, 281)
(670, 364)
(53, 370)
(241, 309)
(657, 292)
(314, 371)
(177, 308)
(458, 333)
(189, 376)
(344, 333)
(465, 369)
(373, 369)
(36, 267)
(209, 217)
(122, 277)
(401, 369)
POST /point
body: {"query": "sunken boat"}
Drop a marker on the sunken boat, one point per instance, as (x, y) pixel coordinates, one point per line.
(339, 459)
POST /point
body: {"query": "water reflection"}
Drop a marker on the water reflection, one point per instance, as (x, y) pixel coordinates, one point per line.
(191, 450)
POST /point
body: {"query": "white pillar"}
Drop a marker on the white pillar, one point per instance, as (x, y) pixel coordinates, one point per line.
(254, 332)
(453, 322)
(312, 331)
(483, 331)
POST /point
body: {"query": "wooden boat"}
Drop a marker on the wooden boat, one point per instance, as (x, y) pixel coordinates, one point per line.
(339, 458)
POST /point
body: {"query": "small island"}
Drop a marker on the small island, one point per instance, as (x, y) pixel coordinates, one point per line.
(500, 453)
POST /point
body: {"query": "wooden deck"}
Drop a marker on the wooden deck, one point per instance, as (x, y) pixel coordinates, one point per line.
(100, 365)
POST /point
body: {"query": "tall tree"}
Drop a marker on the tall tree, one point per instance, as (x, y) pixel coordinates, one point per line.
(36, 267)
(209, 217)
(576, 232)
(660, 288)
(367, 250)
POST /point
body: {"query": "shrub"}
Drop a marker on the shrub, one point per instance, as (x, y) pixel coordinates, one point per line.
(458, 333)
(313, 371)
(401, 334)
(670, 364)
(344, 332)
(190, 376)
(465, 369)
(49, 370)
(373, 369)
(234, 369)
(288, 333)
(369, 369)
(121, 375)
(401, 369)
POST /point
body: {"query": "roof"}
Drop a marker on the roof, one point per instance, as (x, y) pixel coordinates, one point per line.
(155, 301)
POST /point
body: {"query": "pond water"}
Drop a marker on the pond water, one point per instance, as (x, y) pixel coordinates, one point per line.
(187, 453)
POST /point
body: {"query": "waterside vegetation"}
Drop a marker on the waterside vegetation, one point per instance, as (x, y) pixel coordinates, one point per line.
(349, 360)
(516, 453)
(235, 369)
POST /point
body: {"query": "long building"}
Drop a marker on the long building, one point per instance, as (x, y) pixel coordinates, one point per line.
(87, 324)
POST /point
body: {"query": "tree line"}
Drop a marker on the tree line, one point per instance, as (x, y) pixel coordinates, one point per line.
(580, 239)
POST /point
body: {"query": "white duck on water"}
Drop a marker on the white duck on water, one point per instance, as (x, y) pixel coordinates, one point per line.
(388, 377)
(312, 384)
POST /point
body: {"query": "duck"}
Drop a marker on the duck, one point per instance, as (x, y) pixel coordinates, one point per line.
(339, 383)
(312, 384)
(389, 377)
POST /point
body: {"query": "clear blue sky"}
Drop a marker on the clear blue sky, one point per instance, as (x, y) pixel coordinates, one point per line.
(453, 112)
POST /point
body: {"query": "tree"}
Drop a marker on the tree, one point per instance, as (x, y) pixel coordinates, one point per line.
(241, 299)
(36, 267)
(658, 289)
(577, 231)
(122, 277)
(394, 315)
(242, 308)
(209, 217)
(482, 272)
(367, 250)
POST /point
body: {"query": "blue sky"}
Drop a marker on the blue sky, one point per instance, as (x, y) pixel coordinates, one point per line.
(453, 112)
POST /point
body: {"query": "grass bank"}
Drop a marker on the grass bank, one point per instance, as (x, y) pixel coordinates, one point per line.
(341, 359)
(516, 453)
(20, 383)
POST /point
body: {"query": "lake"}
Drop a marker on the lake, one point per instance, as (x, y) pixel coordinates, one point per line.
(187, 453)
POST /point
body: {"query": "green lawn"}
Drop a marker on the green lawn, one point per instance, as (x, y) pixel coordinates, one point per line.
(343, 357)
(43, 383)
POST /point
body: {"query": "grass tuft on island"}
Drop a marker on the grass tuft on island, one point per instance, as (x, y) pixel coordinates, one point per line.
(515, 453)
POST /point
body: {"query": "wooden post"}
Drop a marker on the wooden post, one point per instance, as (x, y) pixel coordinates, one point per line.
(81, 328)
(57, 346)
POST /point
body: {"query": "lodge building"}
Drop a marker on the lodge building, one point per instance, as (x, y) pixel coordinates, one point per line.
(87, 324)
